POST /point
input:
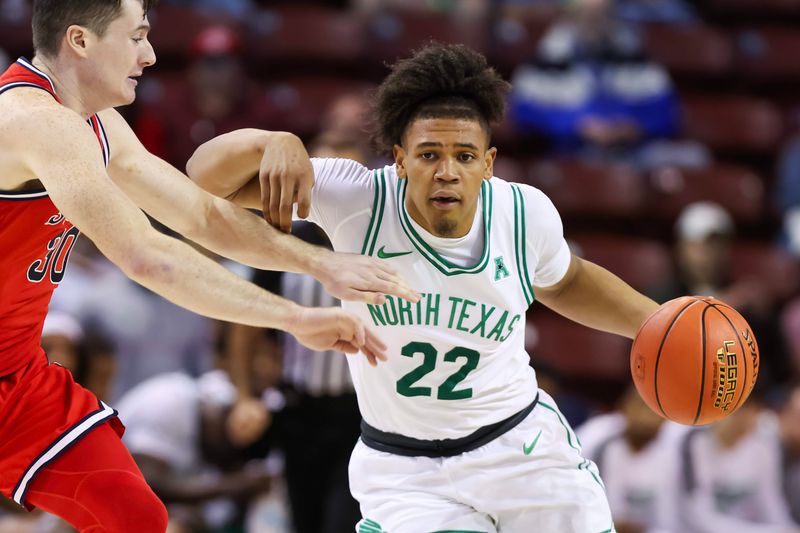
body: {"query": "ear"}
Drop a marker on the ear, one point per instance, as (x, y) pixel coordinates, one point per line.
(399, 160)
(78, 39)
(489, 158)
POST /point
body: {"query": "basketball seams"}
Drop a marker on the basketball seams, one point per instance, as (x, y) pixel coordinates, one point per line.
(661, 347)
(703, 364)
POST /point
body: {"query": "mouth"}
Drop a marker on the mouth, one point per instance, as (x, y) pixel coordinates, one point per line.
(134, 79)
(445, 200)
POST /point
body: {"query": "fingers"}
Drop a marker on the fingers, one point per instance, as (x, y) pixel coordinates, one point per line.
(275, 201)
(285, 208)
(265, 197)
(304, 199)
(374, 350)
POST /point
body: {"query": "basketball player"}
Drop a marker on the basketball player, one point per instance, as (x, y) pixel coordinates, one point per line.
(456, 434)
(69, 163)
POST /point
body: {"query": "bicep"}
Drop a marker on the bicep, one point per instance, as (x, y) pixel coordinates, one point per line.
(154, 185)
(69, 164)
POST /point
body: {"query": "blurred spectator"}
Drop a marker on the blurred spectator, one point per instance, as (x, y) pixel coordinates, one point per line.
(5, 61)
(149, 334)
(175, 117)
(343, 131)
(789, 417)
(591, 90)
(62, 336)
(667, 11)
(787, 194)
(178, 430)
(627, 457)
(15, 11)
(575, 407)
(321, 422)
(89, 357)
(704, 235)
(732, 478)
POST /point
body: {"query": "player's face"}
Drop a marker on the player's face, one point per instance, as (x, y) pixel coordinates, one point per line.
(120, 56)
(445, 160)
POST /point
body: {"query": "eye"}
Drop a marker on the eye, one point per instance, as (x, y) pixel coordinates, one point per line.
(427, 155)
(466, 157)
(138, 39)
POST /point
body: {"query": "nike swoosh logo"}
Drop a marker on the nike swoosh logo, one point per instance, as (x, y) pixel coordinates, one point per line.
(528, 448)
(388, 255)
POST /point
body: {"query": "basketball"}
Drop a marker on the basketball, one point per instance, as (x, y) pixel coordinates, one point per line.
(695, 360)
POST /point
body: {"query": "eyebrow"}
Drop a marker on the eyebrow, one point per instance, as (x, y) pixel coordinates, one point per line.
(430, 144)
(143, 27)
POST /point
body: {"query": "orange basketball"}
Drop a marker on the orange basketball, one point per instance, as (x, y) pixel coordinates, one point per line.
(695, 360)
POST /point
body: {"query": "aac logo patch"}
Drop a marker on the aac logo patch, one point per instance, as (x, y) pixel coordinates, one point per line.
(500, 270)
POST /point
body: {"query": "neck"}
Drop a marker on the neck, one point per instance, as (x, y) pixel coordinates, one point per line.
(67, 85)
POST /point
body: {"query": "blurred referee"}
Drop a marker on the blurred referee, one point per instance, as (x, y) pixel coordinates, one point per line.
(320, 422)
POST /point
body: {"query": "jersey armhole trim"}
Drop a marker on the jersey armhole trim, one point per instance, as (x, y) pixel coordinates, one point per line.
(378, 204)
(520, 246)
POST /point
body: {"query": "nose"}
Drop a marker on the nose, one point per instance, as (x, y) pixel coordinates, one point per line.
(149, 56)
(445, 171)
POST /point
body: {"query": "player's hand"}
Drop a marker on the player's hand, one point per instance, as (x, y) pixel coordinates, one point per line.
(360, 278)
(247, 421)
(332, 328)
(286, 177)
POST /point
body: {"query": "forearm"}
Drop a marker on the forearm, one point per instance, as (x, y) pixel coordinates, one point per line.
(238, 234)
(179, 273)
(226, 163)
(596, 298)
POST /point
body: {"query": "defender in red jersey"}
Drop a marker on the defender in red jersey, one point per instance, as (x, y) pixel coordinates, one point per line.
(68, 161)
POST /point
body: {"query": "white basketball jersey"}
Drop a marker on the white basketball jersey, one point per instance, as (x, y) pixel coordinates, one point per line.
(457, 358)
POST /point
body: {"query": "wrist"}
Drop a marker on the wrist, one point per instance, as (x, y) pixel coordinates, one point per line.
(319, 263)
(291, 318)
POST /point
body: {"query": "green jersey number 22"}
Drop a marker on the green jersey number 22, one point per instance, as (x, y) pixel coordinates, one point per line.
(445, 391)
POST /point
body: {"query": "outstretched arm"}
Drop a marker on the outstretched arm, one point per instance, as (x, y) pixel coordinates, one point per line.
(222, 227)
(57, 147)
(591, 295)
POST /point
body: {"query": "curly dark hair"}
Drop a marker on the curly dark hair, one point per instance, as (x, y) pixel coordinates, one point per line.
(438, 81)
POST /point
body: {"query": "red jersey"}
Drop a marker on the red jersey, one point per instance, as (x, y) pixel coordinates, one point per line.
(35, 243)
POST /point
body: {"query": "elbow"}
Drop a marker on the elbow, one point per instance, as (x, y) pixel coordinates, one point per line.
(198, 171)
(146, 261)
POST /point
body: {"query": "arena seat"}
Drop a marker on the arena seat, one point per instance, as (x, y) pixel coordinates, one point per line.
(313, 35)
(509, 168)
(514, 39)
(643, 263)
(732, 123)
(393, 34)
(300, 102)
(16, 39)
(763, 54)
(585, 189)
(790, 324)
(769, 264)
(174, 27)
(690, 50)
(738, 189)
(754, 8)
(576, 351)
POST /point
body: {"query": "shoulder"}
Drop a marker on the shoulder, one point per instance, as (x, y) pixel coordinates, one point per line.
(37, 128)
(340, 169)
(531, 199)
(117, 129)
